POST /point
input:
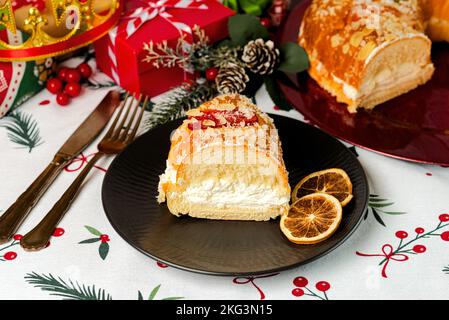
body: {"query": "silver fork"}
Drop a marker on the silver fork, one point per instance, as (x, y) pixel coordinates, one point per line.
(120, 134)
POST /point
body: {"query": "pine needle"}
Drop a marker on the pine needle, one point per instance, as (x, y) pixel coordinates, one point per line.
(22, 130)
(69, 291)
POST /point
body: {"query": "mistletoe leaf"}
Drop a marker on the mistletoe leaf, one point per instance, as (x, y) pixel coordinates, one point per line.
(90, 240)
(232, 4)
(103, 250)
(154, 292)
(245, 27)
(275, 94)
(293, 58)
(92, 230)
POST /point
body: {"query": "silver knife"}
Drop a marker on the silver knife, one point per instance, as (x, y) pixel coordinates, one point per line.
(11, 220)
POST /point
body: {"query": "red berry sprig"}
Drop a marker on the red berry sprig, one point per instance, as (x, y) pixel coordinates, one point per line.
(301, 288)
(66, 84)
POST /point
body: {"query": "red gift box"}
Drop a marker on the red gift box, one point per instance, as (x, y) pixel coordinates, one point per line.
(120, 53)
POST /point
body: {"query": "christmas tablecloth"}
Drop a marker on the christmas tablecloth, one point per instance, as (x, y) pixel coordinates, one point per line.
(400, 250)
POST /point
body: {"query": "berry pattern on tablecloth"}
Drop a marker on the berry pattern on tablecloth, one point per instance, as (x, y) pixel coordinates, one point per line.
(251, 280)
(405, 248)
(302, 289)
(103, 249)
(80, 161)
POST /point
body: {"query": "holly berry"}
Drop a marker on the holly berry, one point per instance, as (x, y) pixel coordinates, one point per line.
(18, 236)
(444, 217)
(85, 70)
(419, 248)
(445, 236)
(11, 255)
(266, 22)
(73, 75)
(62, 99)
(54, 85)
(73, 89)
(419, 230)
(161, 265)
(211, 73)
(323, 286)
(298, 292)
(62, 73)
(401, 234)
(300, 282)
(58, 232)
(104, 238)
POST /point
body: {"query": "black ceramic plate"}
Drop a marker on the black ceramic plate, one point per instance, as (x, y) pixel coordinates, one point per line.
(223, 247)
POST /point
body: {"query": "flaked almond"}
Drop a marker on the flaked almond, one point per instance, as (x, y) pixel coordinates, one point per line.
(366, 50)
(367, 32)
(336, 40)
(356, 38)
(225, 106)
(194, 113)
(208, 123)
(221, 119)
(345, 48)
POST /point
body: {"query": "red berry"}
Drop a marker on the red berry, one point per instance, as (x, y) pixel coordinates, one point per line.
(323, 286)
(47, 245)
(444, 217)
(18, 236)
(445, 236)
(104, 238)
(73, 89)
(300, 282)
(58, 232)
(298, 292)
(62, 99)
(11, 255)
(161, 265)
(266, 22)
(419, 248)
(85, 70)
(401, 234)
(62, 73)
(419, 230)
(211, 74)
(73, 75)
(54, 85)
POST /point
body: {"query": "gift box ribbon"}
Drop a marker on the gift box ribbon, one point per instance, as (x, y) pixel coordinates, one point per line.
(147, 10)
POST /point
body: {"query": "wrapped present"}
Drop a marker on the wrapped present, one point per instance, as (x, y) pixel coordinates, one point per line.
(19, 81)
(121, 53)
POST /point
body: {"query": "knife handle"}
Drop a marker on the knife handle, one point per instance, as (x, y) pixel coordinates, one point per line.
(11, 220)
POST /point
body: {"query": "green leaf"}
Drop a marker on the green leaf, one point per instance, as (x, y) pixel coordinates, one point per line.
(139, 296)
(94, 231)
(173, 298)
(233, 4)
(103, 250)
(22, 130)
(245, 27)
(254, 7)
(275, 94)
(381, 205)
(91, 240)
(377, 200)
(394, 213)
(293, 58)
(154, 292)
(378, 218)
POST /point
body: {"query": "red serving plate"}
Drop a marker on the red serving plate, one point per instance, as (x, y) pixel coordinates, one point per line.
(414, 126)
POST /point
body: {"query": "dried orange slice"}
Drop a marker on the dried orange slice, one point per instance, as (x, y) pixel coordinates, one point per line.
(312, 218)
(331, 181)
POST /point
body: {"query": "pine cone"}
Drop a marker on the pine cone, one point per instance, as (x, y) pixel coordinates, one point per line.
(231, 78)
(260, 57)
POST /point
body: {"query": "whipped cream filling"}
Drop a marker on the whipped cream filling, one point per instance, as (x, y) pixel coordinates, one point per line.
(227, 193)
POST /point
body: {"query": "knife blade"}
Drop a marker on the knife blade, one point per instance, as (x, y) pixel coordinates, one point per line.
(92, 126)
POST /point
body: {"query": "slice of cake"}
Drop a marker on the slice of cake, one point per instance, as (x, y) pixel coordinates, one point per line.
(225, 162)
(367, 52)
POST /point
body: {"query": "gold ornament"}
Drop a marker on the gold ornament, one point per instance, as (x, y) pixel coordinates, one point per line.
(71, 16)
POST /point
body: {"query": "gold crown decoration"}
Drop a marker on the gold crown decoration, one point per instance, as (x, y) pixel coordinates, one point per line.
(62, 26)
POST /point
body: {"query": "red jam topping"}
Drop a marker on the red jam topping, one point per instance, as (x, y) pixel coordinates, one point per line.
(222, 118)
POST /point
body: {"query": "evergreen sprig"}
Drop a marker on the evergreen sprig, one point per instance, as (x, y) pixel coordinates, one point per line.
(22, 130)
(174, 105)
(446, 269)
(378, 205)
(69, 291)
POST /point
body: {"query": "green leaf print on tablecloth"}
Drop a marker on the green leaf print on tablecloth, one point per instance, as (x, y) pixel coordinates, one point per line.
(68, 290)
(103, 249)
(22, 130)
(376, 206)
